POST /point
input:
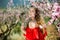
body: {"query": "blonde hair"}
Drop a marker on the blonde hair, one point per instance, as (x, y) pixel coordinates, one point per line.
(41, 21)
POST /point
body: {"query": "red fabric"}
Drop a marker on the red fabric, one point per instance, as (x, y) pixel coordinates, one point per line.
(43, 35)
(34, 34)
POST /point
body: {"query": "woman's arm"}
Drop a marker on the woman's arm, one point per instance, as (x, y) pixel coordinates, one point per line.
(23, 28)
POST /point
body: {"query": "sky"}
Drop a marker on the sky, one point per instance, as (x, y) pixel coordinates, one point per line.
(4, 3)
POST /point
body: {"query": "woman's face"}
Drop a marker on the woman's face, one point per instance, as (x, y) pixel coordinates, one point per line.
(32, 12)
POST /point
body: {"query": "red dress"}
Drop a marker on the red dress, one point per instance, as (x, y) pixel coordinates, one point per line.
(34, 34)
(42, 35)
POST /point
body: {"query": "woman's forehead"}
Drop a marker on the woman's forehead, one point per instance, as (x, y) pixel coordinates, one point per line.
(32, 8)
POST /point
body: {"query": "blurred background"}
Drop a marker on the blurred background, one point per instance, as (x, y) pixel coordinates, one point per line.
(14, 12)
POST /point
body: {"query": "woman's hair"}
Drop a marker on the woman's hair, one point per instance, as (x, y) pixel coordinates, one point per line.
(39, 19)
(37, 14)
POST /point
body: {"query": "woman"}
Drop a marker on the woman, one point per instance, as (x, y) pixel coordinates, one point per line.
(33, 32)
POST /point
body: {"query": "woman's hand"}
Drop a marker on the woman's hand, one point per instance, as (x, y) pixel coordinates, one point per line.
(44, 26)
